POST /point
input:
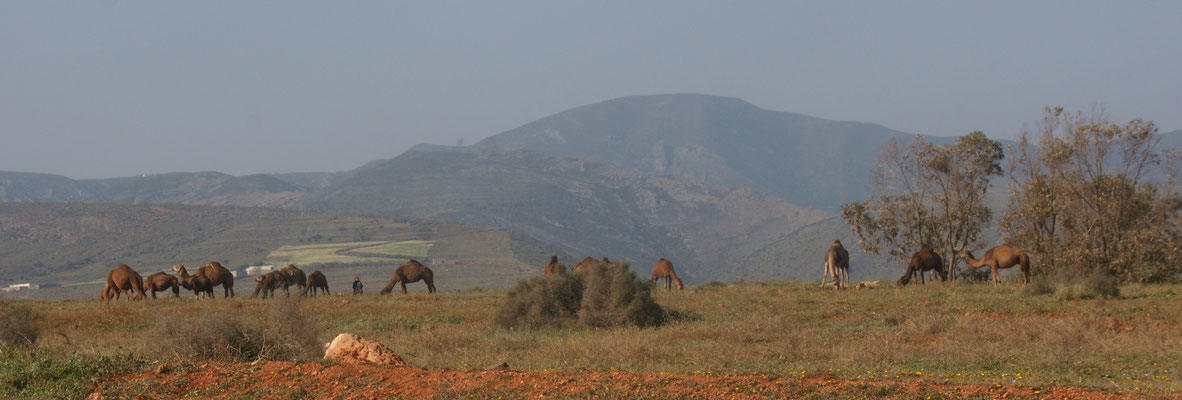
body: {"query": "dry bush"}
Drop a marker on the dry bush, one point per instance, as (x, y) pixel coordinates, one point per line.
(614, 296)
(542, 301)
(602, 296)
(16, 325)
(1073, 283)
(230, 335)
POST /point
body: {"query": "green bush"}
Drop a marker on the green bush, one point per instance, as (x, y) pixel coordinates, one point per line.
(33, 376)
(601, 296)
(16, 325)
(228, 335)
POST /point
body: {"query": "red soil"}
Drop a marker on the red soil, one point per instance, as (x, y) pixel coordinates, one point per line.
(367, 381)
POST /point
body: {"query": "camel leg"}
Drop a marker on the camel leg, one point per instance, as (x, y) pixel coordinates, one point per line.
(826, 275)
(402, 285)
(996, 277)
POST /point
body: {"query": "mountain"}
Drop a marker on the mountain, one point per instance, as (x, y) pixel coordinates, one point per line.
(722, 141)
(586, 206)
(26, 187)
(200, 188)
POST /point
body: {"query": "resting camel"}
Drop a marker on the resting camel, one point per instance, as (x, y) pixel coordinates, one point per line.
(123, 279)
(922, 261)
(837, 264)
(664, 269)
(293, 276)
(552, 266)
(588, 262)
(268, 283)
(215, 272)
(1000, 257)
(160, 281)
(410, 272)
(316, 280)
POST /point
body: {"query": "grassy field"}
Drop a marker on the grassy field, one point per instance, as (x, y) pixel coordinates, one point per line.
(956, 333)
(351, 252)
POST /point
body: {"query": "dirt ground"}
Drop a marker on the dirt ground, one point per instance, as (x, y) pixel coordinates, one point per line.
(275, 380)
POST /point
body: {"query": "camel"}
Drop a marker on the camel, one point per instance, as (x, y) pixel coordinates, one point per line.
(837, 264)
(268, 283)
(664, 269)
(1000, 257)
(123, 279)
(924, 260)
(588, 262)
(316, 280)
(411, 272)
(552, 266)
(200, 285)
(215, 272)
(161, 281)
(294, 277)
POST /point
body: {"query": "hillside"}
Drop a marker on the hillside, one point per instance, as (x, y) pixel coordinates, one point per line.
(575, 204)
(200, 188)
(23, 187)
(723, 141)
(77, 243)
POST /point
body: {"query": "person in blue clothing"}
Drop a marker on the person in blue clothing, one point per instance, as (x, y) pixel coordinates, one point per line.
(357, 285)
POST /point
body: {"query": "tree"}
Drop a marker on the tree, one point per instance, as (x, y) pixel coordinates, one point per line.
(1094, 194)
(927, 194)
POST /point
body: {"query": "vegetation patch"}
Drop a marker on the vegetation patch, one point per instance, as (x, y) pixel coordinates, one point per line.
(605, 295)
(351, 252)
(231, 335)
(17, 327)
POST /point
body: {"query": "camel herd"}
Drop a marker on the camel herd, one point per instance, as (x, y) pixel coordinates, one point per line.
(837, 264)
(123, 279)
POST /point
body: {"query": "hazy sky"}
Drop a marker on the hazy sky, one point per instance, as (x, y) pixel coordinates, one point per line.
(115, 88)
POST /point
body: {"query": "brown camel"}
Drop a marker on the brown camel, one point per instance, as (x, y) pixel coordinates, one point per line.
(664, 269)
(1000, 257)
(837, 264)
(294, 276)
(922, 261)
(123, 279)
(411, 272)
(161, 281)
(215, 272)
(200, 285)
(589, 262)
(268, 283)
(316, 280)
(552, 266)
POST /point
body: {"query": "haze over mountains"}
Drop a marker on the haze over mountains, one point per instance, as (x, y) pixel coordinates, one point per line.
(718, 185)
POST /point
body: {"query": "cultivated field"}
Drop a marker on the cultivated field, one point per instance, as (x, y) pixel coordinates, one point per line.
(743, 340)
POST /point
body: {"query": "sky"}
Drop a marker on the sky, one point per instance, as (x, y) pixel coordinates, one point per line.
(101, 89)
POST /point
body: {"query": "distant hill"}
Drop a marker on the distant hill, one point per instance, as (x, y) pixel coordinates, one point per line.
(723, 141)
(26, 187)
(575, 204)
(200, 188)
(76, 243)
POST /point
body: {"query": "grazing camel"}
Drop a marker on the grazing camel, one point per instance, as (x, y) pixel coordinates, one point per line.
(1000, 257)
(159, 282)
(552, 266)
(411, 272)
(268, 283)
(293, 276)
(316, 280)
(924, 260)
(837, 264)
(664, 269)
(588, 262)
(123, 279)
(215, 272)
(200, 285)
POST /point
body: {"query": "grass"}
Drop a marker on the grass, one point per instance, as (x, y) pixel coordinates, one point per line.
(351, 252)
(966, 334)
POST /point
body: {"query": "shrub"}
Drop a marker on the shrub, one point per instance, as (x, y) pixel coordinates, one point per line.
(602, 296)
(1074, 283)
(542, 301)
(16, 325)
(225, 335)
(614, 296)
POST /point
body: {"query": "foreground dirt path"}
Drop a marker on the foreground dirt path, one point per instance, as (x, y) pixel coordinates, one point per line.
(284, 380)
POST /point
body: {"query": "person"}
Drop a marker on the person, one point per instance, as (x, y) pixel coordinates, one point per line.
(357, 285)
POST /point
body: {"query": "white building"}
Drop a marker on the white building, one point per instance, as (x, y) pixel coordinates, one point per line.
(259, 269)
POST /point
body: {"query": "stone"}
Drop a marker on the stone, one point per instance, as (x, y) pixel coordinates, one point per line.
(351, 349)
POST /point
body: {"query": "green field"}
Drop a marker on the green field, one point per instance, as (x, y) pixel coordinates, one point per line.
(351, 253)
